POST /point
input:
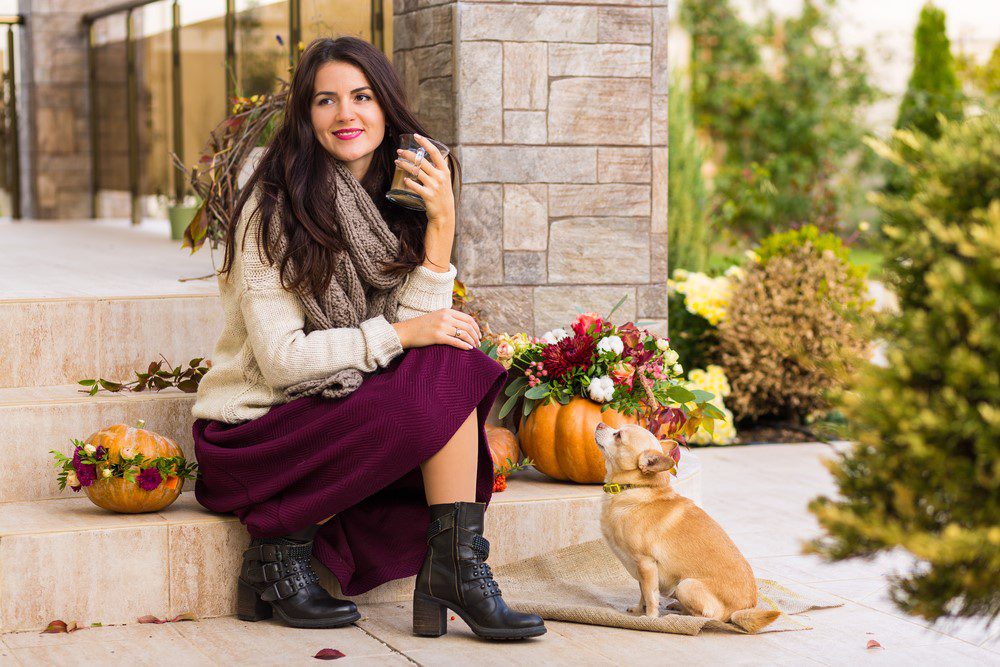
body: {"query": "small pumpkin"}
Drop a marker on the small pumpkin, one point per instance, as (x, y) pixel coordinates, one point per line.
(560, 438)
(119, 495)
(503, 445)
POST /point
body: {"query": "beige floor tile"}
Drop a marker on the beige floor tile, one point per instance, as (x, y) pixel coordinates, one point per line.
(134, 633)
(7, 658)
(101, 575)
(155, 653)
(810, 569)
(231, 641)
(69, 515)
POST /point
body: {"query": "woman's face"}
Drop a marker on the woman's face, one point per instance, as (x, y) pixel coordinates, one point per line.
(343, 100)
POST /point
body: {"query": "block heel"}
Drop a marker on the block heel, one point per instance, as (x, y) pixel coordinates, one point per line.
(430, 618)
(249, 606)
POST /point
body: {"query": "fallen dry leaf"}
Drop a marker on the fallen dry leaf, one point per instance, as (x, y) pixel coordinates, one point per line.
(186, 616)
(329, 654)
(873, 644)
(58, 626)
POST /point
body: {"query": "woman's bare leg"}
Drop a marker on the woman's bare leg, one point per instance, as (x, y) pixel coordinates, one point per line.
(450, 475)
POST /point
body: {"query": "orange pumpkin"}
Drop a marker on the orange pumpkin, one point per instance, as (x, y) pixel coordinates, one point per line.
(503, 445)
(119, 495)
(560, 438)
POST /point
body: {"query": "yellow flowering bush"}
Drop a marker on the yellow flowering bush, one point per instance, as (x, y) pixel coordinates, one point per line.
(713, 379)
(704, 296)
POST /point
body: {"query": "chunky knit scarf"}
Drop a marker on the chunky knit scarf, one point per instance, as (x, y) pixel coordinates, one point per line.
(359, 290)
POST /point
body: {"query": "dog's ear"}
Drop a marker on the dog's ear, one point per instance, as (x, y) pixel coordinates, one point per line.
(652, 461)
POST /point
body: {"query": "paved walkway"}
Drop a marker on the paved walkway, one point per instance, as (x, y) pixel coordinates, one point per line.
(758, 494)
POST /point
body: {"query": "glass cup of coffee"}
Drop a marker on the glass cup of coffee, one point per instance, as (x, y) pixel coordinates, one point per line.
(398, 191)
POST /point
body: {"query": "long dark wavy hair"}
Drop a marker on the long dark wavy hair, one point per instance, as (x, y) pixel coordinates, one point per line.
(295, 165)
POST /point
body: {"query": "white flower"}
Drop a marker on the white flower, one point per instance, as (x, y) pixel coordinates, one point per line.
(678, 369)
(554, 336)
(611, 344)
(662, 344)
(670, 357)
(127, 452)
(106, 472)
(71, 479)
(601, 389)
(90, 449)
(505, 351)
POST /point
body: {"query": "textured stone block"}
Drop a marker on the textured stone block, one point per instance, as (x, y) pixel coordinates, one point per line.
(507, 309)
(405, 6)
(423, 27)
(479, 242)
(48, 342)
(599, 250)
(56, 135)
(520, 23)
(658, 271)
(524, 268)
(621, 60)
(525, 75)
(586, 110)
(431, 61)
(652, 301)
(659, 135)
(612, 199)
(661, 22)
(530, 164)
(658, 224)
(623, 165)
(559, 306)
(524, 127)
(624, 25)
(480, 90)
(436, 110)
(525, 217)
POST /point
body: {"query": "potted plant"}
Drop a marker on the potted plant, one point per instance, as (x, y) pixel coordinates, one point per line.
(565, 383)
(181, 212)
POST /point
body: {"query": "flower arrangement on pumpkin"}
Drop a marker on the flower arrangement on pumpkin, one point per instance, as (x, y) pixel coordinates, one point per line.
(90, 463)
(623, 369)
(125, 469)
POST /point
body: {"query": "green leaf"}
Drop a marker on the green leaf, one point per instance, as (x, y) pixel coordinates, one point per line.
(680, 394)
(88, 383)
(110, 386)
(702, 396)
(529, 405)
(507, 406)
(713, 412)
(538, 391)
(515, 385)
(188, 386)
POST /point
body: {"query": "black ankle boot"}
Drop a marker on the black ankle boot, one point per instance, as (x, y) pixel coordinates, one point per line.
(277, 575)
(454, 576)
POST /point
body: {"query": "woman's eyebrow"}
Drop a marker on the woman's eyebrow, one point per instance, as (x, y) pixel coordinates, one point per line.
(330, 92)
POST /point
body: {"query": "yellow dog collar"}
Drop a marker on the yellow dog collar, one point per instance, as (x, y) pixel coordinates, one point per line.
(614, 488)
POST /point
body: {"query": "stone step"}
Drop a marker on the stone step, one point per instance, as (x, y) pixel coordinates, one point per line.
(83, 299)
(61, 341)
(68, 559)
(34, 420)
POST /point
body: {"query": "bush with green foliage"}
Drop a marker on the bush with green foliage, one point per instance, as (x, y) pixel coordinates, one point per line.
(785, 130)
(794, 327)
(688, 228)
(925, 473)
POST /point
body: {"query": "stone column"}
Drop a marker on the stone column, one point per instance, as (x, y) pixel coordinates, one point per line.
(558, 114)
(54, 53)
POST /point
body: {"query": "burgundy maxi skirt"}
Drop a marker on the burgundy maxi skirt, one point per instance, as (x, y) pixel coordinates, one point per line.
(357, 458)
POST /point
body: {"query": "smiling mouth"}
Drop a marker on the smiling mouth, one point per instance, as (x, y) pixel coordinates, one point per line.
(348, 135)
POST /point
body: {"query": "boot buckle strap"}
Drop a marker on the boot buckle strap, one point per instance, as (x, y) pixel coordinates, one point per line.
(440, 525)
(481, 546)
(265, 553)
(270, 572)
(280, 590)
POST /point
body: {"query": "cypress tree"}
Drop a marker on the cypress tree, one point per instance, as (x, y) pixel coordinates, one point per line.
(687, 216)
(933, 87)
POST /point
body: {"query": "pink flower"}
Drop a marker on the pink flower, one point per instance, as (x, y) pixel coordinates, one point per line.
(149, 479)
(622, 373)
(584, 322)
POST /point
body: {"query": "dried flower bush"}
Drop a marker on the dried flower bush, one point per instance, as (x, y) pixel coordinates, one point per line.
(789, 334)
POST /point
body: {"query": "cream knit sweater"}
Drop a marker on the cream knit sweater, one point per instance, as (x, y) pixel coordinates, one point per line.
(263, 348)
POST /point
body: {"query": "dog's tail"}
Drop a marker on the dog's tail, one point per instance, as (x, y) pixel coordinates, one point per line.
(754, 620)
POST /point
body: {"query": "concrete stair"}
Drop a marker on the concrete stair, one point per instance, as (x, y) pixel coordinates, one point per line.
(100, 299)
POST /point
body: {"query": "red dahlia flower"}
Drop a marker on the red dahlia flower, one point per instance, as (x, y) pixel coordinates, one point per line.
(569, 353)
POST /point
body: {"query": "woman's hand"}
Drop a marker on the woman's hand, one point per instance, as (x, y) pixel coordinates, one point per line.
(438, 328)
(431, 180)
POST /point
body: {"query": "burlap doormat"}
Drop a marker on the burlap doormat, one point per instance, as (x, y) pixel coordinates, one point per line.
(588, 584)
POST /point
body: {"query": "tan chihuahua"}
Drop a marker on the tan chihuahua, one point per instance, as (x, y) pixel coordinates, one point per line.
(669, 544)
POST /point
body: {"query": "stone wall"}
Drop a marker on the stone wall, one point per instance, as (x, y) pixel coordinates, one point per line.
(558, 115)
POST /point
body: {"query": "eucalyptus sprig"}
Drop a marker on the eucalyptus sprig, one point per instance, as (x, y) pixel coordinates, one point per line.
(155, 378)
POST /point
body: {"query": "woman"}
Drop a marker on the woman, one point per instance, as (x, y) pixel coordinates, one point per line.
(343, 415)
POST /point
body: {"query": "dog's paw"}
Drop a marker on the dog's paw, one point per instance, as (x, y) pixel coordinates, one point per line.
(635, 611)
